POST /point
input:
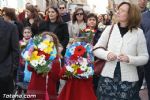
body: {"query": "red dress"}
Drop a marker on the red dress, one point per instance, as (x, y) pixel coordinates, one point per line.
(38, 86)
(78, 89)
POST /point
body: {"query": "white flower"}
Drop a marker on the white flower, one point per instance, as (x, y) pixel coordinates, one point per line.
(34, 63)
(90, 70)
(84, 62)
(69, 69)
(87, 30)
(72, 50)
(42, 57)
(84, 75)
(83, 68)
(42, 61)
(42, 46)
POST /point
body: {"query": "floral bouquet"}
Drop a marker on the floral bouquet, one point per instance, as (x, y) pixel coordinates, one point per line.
(22, 44)
(79, 61)
(40, 52)
(86, 34)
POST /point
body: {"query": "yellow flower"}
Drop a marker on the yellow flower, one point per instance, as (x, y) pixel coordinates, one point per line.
(34, 56)
(75, 67)
(35, 47)
(49, 46)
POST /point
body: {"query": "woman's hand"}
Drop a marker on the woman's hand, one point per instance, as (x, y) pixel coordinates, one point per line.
(111, 56)
(123, 58)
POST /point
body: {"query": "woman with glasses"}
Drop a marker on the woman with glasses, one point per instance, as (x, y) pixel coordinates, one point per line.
(78, 23)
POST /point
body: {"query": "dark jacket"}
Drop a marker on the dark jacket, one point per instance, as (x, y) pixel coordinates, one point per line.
(20, 29)
(66, 17)
(9, 48)
(145, 25)
(34, 26)
(61, 31)
(97, 36)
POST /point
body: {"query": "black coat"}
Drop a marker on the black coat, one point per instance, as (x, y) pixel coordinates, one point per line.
(9, 48)
(61, 32)
(97, 36)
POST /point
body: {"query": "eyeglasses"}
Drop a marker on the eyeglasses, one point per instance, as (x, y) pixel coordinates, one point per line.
(61, 7)
(79, 14)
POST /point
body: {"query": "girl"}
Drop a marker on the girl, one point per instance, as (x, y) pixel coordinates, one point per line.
(80, 89)
(27, 35)
(92, 23)
(41, 84)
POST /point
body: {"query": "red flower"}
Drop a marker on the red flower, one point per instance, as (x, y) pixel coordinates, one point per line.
(79, 71)
(43, 53)
(79, 51)
(73, 57)
(47, 56)
(40, 53)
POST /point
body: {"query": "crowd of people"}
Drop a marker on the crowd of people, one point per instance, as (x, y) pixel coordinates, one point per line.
(125, 39)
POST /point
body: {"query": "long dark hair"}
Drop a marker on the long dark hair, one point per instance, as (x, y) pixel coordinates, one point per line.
(34, 15)
(74, 15)
(59, 19)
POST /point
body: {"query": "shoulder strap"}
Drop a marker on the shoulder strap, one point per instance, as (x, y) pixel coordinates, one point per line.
(107, 41)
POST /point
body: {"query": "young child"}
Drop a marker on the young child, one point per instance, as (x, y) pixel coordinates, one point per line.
(44, 85)
(27, 35)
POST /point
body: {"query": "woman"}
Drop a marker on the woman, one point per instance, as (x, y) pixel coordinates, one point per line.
(126, 50)
(54, 24)
(32, 19)
(92, 23)
(101, 25)
(78, 22)
(107, 20)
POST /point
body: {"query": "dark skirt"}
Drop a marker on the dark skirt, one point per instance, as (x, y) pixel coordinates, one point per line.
(115, 89)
